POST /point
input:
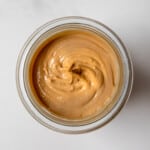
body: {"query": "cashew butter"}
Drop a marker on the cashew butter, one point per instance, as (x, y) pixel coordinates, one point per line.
(75, 74)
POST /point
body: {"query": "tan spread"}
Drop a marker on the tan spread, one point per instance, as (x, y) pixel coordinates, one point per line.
(76, 74)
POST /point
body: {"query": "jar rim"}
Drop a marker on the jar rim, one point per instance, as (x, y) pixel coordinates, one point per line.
(87, 127)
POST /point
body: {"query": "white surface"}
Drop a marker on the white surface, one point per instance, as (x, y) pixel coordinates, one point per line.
(130, 19)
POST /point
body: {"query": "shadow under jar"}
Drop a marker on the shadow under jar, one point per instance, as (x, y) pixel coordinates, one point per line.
(74, 75)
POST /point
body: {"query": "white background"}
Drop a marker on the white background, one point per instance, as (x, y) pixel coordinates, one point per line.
(130, 19)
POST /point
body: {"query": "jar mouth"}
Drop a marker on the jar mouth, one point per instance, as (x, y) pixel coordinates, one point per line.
(54, 122)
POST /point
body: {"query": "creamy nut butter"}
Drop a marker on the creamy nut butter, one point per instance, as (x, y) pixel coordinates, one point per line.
(75, 74)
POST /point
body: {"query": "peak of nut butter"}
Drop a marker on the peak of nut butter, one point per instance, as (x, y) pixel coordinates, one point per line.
(75, 74)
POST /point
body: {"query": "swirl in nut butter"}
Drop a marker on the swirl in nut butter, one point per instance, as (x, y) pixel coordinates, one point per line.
(76, 74)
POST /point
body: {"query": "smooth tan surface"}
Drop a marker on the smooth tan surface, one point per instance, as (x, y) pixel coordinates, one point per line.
(76, 74)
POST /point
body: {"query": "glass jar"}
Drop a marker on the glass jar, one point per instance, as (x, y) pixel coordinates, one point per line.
(29, 49)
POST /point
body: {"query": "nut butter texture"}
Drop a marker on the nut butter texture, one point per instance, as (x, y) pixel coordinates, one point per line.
(75, 74)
